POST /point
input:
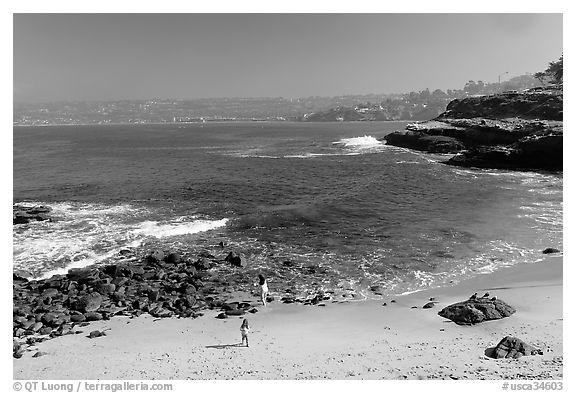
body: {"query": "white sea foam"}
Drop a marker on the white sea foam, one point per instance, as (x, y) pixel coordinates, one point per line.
(158, 230)
(360, 142)
(84, 234)
(311, 155)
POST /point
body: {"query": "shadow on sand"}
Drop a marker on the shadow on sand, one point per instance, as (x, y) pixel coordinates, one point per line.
(222, 346)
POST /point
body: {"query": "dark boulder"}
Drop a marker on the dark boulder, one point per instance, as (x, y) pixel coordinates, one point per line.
(120, 281)
(172, 257)
(236, 312)
(83, 274)
(550, 250)
(24, 214)
(512, 347)
(429, 305)
(90, 302)
(50, 319)
(235, 260)
(105, 288)
(77, 318)
(93, 316)
(45, 330)
(96, 333)
(474, 311)
(21, 275)
(202, 264)
(206, 254)
(155, 257)
(160, 312)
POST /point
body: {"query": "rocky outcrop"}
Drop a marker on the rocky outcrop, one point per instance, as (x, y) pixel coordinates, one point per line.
(512, 347)
(22, 214)
(473, 311)
(507, 131)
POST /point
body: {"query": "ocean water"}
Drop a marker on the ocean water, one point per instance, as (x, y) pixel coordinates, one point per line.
(328, 197)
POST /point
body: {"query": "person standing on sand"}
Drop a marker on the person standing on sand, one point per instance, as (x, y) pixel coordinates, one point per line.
(244, 329)
(263, 289)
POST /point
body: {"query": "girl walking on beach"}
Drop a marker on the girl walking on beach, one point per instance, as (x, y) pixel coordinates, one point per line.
(244, 329)
(263, 289)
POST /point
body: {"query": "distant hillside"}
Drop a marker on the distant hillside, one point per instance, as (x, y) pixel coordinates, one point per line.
(377, 112)
(417, 106)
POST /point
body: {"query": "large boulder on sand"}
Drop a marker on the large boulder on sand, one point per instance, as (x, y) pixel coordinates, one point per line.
(512, 347)
(474, 311)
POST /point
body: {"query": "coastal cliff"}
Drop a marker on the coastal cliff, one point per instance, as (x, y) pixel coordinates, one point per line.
(510, 130)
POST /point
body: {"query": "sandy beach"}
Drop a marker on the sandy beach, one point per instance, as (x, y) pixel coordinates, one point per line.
(354, 340)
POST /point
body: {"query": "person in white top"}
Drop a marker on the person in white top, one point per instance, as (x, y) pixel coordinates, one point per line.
(244, 329)
(263, 289)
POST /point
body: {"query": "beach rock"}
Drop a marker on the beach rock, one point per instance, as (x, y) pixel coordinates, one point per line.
(77, 318)
(21, 275)
(96, 333)
(50, 319)
(474, 311)
(90, 302)
(202, 264)
(160, 312)
(93, 316)
(126, 252)
(172, 258)
(153, 295)
(429, 305)
(105, 289)
(206, 254)
(550, 250)
(82, 275)
(45, 330)
(50, 292)
(222, 315)
(512, 347)
(155, 257)
(120, 281)
(235, 260)
(24, 214)
(235, 312)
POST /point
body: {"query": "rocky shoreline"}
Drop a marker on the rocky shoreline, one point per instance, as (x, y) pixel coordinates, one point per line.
(162, 283)
(522, 131)
(181, 284)
(22, 214)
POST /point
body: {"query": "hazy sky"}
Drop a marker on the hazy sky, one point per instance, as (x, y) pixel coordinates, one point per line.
(119, 56)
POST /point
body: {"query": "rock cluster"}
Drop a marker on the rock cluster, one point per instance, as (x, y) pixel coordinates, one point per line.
(24, 214)
(162, 284)
(473, 311)
(506, 131)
